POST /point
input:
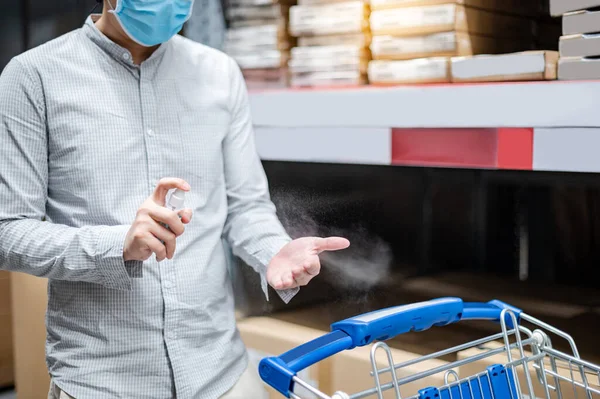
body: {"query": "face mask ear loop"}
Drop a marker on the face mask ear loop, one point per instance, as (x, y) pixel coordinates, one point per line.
(113, 10)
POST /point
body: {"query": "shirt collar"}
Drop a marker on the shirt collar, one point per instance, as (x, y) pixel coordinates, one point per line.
(117, 52)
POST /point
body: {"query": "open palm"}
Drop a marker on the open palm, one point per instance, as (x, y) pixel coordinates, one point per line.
(298, 262)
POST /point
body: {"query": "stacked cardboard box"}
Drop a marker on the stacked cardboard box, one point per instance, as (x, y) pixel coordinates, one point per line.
(333, 43)
(265, 337)
(523, 66)
(580, 44)
(29, 297)
(348, 371)
(432, 31)
(257, 39)
(6, 347)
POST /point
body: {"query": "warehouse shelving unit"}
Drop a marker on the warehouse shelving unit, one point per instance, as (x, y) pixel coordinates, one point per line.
(545, 126)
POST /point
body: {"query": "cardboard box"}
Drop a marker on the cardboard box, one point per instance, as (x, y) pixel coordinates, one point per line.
(329, 79)
(248, 23)
(423, 70)
(29, 301)
(518, 7)
(257, 38)
(265, 337)
(447, 18)
(351, 372)
(354, 39)
(531, 65)
(262, 60)
(579, 45)
(7, 377)
(6, 340)
(578, 69)
(255, 3)
(263, 12)
(5, 304)
(330, 19)
(567, 389)
(328, 59)
(260, 79)
(445, 44)
(559, 7)
(328, 64)
(581, 22)
(322, 2)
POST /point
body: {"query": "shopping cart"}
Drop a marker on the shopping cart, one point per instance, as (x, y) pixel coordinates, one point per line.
(531, 359)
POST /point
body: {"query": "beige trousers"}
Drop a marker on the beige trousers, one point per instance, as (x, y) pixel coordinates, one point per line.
(248, 386)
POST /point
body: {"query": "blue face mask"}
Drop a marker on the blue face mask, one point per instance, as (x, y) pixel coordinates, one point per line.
(152, 22)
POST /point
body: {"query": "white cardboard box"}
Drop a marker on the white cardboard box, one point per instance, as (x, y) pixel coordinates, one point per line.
(559, 7)
(448, 17)
(579, 45)
(519, 7)
(531, 65)
(423, 70)
(578, 68)
(266, 337)
(329, 19)
(581, 22)
(361, 40)
(444, 44)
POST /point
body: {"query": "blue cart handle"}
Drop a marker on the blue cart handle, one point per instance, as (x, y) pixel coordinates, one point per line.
(379, 325)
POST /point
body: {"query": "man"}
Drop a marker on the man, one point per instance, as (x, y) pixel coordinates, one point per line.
(90, 124)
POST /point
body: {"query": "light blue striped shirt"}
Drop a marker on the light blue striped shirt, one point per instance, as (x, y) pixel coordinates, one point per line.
(84, 136)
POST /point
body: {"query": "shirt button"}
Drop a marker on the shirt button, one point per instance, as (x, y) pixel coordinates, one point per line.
(150, 132)
(126, 56)
(171, 335)
(168, 284)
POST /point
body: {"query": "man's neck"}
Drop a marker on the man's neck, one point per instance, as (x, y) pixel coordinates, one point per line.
(110, 27)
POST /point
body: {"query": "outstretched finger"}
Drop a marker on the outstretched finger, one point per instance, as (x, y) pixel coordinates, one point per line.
(166, 184)
(331, 244)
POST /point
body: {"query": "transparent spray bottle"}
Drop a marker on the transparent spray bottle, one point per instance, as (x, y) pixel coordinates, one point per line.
(175, 202)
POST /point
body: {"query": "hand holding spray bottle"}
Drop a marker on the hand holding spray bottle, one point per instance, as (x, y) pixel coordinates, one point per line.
(175, 202)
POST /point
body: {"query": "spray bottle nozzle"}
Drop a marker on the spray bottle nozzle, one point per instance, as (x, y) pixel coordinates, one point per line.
(176, 200)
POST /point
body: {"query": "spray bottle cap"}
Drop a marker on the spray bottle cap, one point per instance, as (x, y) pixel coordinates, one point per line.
(176, 200)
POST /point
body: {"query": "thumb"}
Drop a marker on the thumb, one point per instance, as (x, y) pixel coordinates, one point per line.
(331, 244)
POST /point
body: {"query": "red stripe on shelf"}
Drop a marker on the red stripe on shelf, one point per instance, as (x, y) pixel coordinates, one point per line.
(444, 147)
(515, 148)
(476, 147)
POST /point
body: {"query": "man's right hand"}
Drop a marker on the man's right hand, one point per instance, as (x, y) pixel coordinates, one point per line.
(146, 233)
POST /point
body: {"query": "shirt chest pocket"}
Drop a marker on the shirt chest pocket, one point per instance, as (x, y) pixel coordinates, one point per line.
(201, 155)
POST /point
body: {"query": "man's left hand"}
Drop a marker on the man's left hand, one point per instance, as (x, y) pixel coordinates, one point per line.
(298, 261)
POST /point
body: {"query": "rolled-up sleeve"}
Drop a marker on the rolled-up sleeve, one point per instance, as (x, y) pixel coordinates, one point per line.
(27, 243)
(252, 228)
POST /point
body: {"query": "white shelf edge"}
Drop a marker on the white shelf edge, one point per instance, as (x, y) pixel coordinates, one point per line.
(529, 104)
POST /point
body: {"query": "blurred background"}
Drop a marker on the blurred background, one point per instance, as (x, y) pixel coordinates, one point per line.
(421, 226)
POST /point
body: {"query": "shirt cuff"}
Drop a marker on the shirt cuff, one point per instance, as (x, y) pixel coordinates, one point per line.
(109, 258)
(285, 295)
(269, 248)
